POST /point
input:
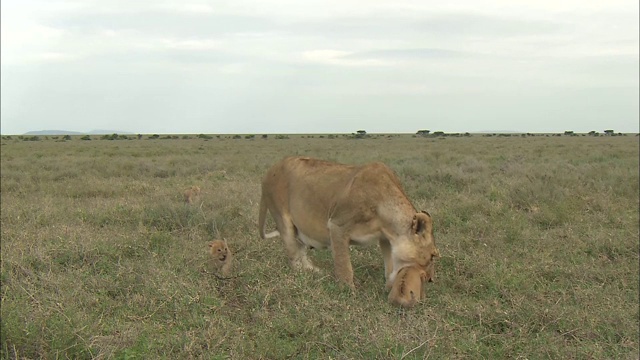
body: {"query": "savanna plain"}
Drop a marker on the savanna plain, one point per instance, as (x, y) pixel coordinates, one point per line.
(101, 257)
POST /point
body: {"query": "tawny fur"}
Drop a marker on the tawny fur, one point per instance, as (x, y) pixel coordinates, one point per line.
(191, 194)
(221, 256)
(407, 289)
(316, 203)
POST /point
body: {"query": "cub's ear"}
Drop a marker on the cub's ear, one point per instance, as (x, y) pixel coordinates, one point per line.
(424, 212)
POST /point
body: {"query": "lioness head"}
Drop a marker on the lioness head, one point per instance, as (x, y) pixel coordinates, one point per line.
(419, 249)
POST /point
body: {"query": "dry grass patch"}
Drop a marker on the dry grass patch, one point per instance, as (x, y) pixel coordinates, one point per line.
(101, 258)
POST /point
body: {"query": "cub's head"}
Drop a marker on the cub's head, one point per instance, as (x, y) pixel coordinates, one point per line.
(191, 194)
(218, 250)
(407, 288)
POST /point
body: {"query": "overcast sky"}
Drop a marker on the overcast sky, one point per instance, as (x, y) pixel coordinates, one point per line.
(290, 66)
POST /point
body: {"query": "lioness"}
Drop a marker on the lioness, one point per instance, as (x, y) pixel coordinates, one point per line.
(316, 203)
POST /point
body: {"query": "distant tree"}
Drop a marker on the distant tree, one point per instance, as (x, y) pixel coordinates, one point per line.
(250, 137)
(360, 134)
(609, 133)
(66, 137)
(265, 136)
(154, 136)
(86, 137)
(438, 133)
(237, 137)
(593, 133)
(206, 137)
(568, 133)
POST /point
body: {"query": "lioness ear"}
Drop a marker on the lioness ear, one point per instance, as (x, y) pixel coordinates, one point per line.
(420, 223)
(415, 224)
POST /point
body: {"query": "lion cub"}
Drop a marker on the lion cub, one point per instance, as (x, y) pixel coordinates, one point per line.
(407, 289)
(221, 256)
(191, 194)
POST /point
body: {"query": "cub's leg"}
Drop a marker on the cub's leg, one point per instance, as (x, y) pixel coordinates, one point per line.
(296, 251)
(226, 268)
(341, 256)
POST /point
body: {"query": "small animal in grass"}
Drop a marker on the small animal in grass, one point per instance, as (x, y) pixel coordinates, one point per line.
(407, 288)
(191, 194)
(221, 257)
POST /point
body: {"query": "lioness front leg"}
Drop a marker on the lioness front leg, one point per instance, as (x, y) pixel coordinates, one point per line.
(341, 256)
(385, 247)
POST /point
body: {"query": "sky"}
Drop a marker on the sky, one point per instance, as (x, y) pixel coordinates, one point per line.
(319, 66)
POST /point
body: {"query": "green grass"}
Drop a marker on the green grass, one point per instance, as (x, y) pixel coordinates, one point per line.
(102, 259)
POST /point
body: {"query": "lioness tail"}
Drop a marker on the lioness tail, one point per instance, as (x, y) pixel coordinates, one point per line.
(262, 224)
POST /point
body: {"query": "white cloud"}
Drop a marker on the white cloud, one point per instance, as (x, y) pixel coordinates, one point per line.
(322, 57)
(191, 8)
(192, 44)
(341, 58)
(56, 57)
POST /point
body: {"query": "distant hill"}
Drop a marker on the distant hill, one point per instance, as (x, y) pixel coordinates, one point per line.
(65, 132)
(52, 132)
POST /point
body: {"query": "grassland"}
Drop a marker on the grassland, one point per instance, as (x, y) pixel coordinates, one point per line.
(102, 259)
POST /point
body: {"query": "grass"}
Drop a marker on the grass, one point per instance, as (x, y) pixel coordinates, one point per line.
(101, 258)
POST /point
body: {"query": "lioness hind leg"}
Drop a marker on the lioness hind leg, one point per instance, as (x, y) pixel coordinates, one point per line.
(296, 251)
